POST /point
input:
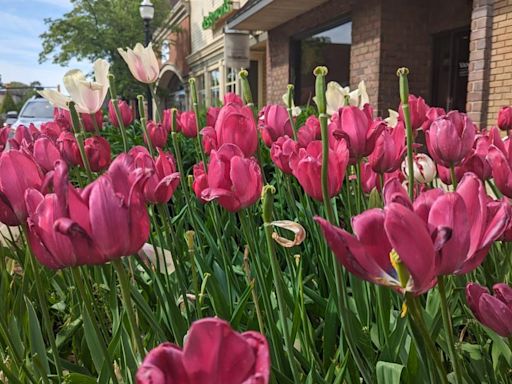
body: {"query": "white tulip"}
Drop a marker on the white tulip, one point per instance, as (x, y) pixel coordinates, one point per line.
(424, 168)
(336, 95)
(142, 62)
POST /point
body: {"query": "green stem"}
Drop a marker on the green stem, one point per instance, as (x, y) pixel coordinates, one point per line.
(95, 123)
(125, 291)
(195, 108)
(189, 236)
(289, 109)
(448, 328)
(404, 98)
(152, 88)
(79, 135)
(113, 98)
(417, 317)
(88, 307)
(453, 176)
(267, 208)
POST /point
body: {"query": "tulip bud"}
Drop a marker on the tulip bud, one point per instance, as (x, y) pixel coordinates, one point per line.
(97, 150)
(68, 147)
(275, 123)
(124, 110)
(505, 119)
(187, 122)
(157, 134)
(418, 110)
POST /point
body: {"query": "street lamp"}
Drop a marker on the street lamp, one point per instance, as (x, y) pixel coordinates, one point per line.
(147, 12)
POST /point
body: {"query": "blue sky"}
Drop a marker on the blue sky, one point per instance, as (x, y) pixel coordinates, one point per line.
(21, 23)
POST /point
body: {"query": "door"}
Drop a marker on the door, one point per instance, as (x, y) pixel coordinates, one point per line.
(450, 69)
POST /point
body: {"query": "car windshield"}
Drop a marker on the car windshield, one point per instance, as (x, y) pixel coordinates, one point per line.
(38, 110)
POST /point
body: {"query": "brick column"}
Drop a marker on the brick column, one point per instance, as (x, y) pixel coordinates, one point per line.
(479, 61)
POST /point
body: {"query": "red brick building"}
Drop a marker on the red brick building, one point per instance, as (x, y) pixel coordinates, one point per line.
(459, 52)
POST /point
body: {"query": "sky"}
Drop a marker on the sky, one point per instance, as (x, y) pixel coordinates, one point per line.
(21, 23)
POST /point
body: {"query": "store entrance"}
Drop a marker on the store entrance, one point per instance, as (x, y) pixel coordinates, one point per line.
(450, 69)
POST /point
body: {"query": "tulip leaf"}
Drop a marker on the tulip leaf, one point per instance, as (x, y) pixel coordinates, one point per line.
(240, 307)
(330, 329)
(92, 341)
(78, 378)
(388, 373)
(37, 346)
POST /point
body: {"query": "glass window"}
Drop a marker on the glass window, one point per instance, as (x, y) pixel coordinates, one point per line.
(231, 80)
(215, 87)
(331, 48)
(201, 91)
(165, 51)
(37, 109)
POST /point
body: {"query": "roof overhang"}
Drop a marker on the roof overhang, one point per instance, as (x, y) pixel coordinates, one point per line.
(264, 15)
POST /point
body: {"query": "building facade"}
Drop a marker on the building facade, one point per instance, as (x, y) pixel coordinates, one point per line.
(459, 52)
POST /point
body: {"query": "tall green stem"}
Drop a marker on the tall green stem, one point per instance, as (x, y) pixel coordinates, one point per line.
(125, 291)
(404, 98)
(143, 123)
(113, 99)
(79, 135)
(267, 208)
(448, 328)
(453, 176)
(289, 98)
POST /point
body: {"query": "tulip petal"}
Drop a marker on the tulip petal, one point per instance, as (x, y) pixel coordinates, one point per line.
(495, 314)
(163, 365)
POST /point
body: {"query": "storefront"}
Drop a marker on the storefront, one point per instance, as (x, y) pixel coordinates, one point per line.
(453, 49)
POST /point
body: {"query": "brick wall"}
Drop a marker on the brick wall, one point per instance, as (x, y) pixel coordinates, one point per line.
(278, 46)
(180, 47)
(500, 78)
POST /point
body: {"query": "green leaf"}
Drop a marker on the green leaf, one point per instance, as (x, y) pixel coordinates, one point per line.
(77, 378)
(388, 373)
(92, 341)
(37, 346)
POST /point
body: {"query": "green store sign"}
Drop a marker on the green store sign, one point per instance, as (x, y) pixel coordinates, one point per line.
(214, 16)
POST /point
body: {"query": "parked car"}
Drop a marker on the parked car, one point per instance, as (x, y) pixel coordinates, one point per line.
(35, 111)
(11, 117)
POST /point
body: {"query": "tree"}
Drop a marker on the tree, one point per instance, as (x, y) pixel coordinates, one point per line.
(94, 29)
(8, 104)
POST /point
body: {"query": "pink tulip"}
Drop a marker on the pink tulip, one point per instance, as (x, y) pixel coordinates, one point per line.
(90, 124)
(501, 166)
(233, 98)
(377, 232)
(4, 136)
(46, 153)
(235, 125)
(309, 132)
(200, 181)
(211, 116)
(418, 110)
(306, 166)
(495, 312)
(209, 139)
(124, 110)
(97, 150)
(446, 176)
(117, 213)
(157, 134)
(281, 152)
(505, 119)
(370, 179)
(477, 161)
(68, 148)
(52, 129)
(18, 172)
(24, 137)
(432, 114)
(59, 225)
(357, 127)
(389, 150)
(62, 118)
(187, 122)
(274, 124)
(213, 353)
(233, 180)
(450, 138)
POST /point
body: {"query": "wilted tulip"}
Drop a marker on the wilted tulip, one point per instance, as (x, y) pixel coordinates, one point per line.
(97, 150)
(232, 97)
(157, 134)
(418, 110)
(389, 150)
(124, 110)
(235, 125)
(424, 168)
(450, 138)
(306, 166)
(142, 62)
(505, 119)
(213, 353)
(18, 172)
(281, 152)
(274, 124)
(45, 153)
(233, 180)
(87, 95)
(357, 127)
(495, 312)
(187, 122)
(381, 244)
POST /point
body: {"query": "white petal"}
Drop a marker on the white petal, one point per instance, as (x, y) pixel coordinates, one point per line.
(57, 99)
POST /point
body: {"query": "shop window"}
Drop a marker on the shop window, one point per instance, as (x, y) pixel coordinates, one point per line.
(165, 51)
(215, 87)
(231, 80)
(201, 90)
(329, 47)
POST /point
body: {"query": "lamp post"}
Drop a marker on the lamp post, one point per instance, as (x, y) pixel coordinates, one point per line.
(147, 11)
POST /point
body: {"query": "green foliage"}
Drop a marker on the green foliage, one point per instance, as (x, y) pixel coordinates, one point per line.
(94, 29)
(8, 104)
